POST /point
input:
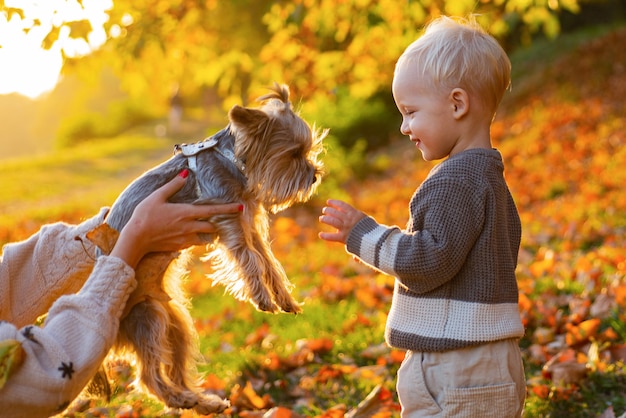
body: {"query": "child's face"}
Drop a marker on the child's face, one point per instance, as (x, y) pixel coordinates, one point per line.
(427, 114)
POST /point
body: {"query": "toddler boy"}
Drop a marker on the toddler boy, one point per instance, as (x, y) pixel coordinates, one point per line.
(455, 302)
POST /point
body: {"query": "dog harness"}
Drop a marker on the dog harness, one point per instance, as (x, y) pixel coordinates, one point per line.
(191, 150)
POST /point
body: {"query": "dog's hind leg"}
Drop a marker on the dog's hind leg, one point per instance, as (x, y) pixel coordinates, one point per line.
(164, 358)
(184, 388)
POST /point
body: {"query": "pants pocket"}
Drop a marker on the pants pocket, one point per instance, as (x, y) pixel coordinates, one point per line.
(413, 393)
(495, 401)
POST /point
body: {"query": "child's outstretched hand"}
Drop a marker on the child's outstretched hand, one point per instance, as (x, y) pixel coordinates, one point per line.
(341, 216)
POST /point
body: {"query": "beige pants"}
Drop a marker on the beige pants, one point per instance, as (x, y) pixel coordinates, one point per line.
(486, 381)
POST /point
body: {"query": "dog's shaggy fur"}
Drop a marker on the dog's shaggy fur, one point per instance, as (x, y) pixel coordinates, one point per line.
(267, 158)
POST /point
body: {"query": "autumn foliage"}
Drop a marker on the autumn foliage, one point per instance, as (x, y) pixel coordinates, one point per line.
(561, 132)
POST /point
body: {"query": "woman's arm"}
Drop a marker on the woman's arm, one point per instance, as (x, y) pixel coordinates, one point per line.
(61, 357)
(37, 271)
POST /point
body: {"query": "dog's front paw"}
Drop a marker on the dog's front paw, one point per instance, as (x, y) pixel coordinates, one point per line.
(265, 306)
(291, 306)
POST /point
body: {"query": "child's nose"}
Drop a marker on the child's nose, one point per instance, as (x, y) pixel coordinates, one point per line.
(404, 127)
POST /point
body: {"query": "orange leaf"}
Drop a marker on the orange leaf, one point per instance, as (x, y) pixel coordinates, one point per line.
(247, 398)
(213, 382)
(320, 345)
(104, 237)
(542, 391)
(255, 400)
(525, 304)
(397, 356)
(258, 335)
(337, 411)
(620, 295)
(582, 332)
(279, 412)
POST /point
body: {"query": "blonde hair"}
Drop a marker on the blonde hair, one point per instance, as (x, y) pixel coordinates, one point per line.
(458, 52)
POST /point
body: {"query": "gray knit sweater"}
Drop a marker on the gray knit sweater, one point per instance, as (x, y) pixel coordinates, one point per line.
(455, 262)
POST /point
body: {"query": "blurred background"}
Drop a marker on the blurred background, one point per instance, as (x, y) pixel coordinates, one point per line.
(94, 92)
(77, 71)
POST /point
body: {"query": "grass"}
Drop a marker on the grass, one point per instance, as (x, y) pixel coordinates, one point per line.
(70, 183)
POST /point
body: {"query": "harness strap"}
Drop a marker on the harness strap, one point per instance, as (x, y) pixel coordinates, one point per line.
(191, 150)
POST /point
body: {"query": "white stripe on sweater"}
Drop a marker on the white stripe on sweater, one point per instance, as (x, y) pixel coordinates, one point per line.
(388, 250)
(453, 319)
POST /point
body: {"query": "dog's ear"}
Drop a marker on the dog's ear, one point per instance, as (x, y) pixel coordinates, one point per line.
(252, 127)
(243, 117)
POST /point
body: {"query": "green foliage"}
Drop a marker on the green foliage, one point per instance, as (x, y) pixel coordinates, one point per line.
(87, 126)
(339, 166)
(355, 120)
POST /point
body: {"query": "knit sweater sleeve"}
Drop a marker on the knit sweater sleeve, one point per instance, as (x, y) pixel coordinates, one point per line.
(63, 355)
(447, 216)
(53, 262)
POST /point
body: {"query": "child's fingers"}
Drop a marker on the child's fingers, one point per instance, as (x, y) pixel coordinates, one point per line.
(331, 221)
(339, 205)
(332, 236)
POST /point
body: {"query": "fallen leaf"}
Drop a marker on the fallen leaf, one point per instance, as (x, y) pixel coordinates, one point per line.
(337, 411)
(258, 335)
(602, 306)
(368, 406)
(582, 332)
(104, 237)
(569, 372)
(542, 391)
(213, 382)
(280, 412)
(247, 398)
(11, 357)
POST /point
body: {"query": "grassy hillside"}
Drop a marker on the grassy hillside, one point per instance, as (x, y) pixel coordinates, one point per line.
(73, 184)
(562, 134)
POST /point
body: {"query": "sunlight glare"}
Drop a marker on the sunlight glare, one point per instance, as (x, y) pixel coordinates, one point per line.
(25, 67)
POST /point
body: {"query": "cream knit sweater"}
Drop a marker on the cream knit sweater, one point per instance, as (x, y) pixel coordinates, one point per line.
(455, 262)
(43, 274)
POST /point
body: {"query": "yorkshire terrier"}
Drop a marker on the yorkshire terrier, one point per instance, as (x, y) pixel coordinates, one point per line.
(267, 158)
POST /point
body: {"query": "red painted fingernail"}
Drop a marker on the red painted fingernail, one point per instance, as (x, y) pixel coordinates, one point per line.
(240, 208)
(184, 173)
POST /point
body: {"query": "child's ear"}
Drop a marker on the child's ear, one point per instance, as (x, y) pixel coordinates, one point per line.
(460, 102)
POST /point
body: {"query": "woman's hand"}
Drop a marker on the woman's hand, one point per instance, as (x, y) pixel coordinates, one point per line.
(158, 225)
(340, 216)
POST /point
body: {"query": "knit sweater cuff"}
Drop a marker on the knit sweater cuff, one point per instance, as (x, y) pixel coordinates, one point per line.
(110, 284)
(359, 231)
